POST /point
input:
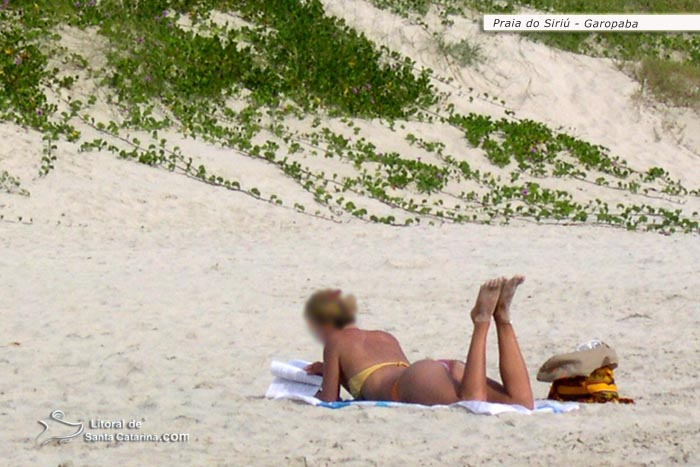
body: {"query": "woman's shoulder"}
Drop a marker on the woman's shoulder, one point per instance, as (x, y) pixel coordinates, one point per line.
(355, 333)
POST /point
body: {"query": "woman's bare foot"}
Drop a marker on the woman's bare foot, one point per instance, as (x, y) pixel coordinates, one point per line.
(487, 300)
(502, 314)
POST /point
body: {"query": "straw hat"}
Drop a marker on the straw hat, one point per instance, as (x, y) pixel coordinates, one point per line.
(583, 362)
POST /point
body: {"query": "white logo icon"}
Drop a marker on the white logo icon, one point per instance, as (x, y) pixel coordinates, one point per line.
(58, 416)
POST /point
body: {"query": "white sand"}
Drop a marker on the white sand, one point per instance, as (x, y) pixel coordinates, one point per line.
(137, 293)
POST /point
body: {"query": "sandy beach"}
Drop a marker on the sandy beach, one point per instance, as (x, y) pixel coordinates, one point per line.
(133, 293)
(148, 319)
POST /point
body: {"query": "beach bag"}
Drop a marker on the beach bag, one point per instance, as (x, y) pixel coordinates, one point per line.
(585, 375)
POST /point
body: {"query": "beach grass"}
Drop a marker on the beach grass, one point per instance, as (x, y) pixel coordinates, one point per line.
(616, 6)
(671, 55)
(678, 83)
(667, 61)
(464, 52)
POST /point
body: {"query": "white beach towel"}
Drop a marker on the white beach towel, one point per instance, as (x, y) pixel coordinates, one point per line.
(291, 382)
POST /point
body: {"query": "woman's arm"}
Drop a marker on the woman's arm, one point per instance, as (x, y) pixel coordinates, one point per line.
(315, 368)
(330, 390)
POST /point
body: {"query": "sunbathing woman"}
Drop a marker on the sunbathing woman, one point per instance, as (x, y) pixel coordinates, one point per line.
(371, 364)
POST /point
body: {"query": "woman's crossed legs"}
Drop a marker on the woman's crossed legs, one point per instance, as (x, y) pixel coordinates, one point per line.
(427, 381)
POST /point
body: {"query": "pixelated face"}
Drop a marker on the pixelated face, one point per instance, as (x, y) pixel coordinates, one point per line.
(321, 332)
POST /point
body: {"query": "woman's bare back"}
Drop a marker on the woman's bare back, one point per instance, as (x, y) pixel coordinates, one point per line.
(359, 350)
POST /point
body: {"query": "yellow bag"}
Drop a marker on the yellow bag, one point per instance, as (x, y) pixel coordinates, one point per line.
(583, 376)
(598, 387)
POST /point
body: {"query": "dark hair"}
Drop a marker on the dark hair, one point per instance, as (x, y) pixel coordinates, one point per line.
(329, 307)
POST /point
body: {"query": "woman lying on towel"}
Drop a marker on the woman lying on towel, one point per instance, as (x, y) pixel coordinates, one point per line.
(372, 366)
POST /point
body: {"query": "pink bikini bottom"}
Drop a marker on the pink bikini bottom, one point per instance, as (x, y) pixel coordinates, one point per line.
(445, 363)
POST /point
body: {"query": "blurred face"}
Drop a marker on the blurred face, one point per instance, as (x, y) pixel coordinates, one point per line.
(320, 331)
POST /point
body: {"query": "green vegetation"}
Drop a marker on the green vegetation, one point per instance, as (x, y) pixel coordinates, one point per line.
(170, 67)
(672, 81)
(463, 52)
(404, 7)
(11, 184)
(666, 60)
(670, 63)
(307, 56)
(615, 6)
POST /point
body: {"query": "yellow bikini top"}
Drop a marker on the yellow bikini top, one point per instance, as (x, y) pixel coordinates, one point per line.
(356, 382)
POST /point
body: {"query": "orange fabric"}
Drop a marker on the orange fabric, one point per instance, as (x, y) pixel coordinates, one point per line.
(395, 392)
(598, 387)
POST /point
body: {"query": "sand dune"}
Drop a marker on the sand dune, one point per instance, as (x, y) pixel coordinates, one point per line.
(589, 96)
(132, 292)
